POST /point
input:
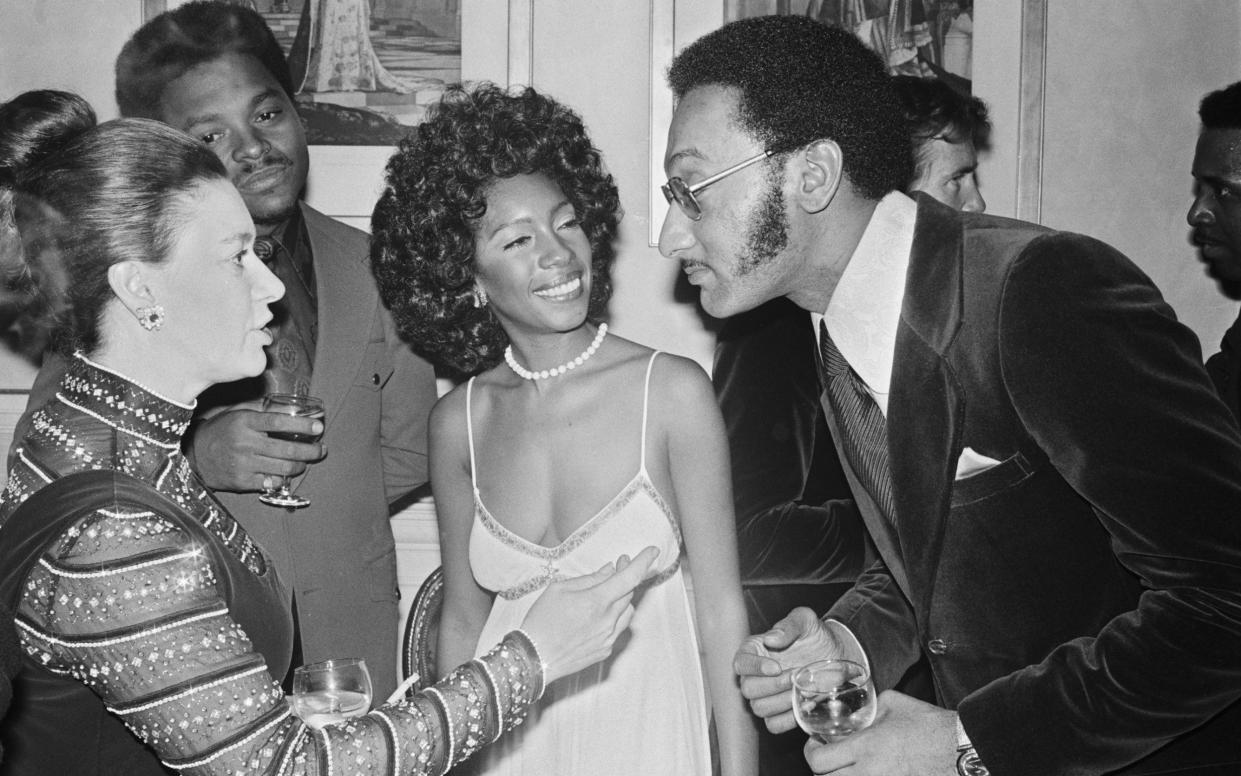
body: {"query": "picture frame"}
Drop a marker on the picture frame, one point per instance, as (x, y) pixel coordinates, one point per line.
(366, 72)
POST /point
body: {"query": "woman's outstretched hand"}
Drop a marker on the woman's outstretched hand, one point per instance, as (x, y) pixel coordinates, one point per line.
(575, 622)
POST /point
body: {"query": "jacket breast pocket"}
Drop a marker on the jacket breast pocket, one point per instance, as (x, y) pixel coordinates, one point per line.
(375, 368)
(1004, 476)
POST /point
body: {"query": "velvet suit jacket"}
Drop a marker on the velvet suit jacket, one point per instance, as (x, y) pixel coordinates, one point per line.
(1225, 368)
(338, 555)
(1079, 602)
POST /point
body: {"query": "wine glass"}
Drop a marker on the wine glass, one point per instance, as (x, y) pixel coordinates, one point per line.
(331, 691)
(297, 405)
(833, 699)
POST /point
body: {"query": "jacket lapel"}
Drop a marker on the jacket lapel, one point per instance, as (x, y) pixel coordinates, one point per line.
(347, 302)
(926, 411)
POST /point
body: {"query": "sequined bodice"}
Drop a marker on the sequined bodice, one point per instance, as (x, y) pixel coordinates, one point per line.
(101, 420)
(140, 606)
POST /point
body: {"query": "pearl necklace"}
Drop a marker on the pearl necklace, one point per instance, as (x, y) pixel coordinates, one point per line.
(555, 371)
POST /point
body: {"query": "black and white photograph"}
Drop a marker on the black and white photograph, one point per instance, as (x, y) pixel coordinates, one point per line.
(673, 387)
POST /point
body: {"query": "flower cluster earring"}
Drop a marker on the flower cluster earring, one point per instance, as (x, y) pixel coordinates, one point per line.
(480, 297)
(151, 318)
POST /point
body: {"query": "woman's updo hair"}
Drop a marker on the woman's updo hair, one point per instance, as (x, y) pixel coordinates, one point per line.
(94, 196)
(33, 124)
(32, 288)
(422, 246)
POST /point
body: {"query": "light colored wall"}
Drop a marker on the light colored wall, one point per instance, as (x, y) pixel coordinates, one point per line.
(1120, 125)
(64, 44)
(996, 73)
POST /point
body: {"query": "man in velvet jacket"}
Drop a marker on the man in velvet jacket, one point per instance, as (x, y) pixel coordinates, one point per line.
(1061, 539)
(801, 539)
(216, 71)
(797, 529)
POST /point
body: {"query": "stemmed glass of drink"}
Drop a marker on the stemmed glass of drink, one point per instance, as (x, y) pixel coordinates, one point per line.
(331, 691)
(297, 405)
(833, 699)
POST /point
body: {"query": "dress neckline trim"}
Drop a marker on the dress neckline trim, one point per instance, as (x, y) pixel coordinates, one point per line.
(640, 482)
(83, 357)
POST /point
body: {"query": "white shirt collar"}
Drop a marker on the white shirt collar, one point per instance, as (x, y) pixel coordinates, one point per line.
(865, 309)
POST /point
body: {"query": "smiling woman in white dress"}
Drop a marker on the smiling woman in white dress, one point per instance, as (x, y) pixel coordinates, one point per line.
(567, 445)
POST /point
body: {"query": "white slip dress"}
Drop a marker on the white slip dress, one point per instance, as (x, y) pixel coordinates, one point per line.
(641, 711)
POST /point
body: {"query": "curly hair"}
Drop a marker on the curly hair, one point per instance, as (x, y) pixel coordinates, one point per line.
(801, 80)
(1221, 109)
(422, 231)
(163, 49)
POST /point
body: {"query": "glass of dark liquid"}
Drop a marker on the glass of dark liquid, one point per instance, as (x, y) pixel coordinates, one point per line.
(300, 406)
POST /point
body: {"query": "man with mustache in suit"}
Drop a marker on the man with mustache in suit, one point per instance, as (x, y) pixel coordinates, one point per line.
(801, 539)
(1050, 481)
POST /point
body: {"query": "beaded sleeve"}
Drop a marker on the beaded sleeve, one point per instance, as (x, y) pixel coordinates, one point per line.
(126, 604)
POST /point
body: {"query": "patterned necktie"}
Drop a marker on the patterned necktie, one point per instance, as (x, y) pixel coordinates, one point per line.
(288, 356)
(862, 424)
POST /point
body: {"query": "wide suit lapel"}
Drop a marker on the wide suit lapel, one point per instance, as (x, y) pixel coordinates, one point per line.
(347, 300)
(926, 408)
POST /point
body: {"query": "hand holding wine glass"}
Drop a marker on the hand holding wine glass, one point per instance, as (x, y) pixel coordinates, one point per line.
(297, 405)
(331, 691)
(833, 699)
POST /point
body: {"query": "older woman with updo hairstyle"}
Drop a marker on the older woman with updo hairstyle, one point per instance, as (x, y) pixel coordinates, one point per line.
(492, 246)
(151, 625)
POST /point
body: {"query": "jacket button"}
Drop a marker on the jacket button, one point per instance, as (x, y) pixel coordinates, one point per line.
(374, 379)
(937, 646)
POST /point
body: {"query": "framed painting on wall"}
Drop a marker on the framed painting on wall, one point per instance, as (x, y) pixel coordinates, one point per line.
(364, 71)
(915, 37)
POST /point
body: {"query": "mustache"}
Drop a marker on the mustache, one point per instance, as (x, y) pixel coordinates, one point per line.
(270, 159)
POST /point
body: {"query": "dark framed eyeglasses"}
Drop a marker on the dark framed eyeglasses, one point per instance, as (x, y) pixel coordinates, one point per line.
(683, 194)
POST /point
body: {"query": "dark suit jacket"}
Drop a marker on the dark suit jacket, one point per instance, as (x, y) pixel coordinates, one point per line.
(338, 555)
(801, 541)
(1079, 602)
(1225, 368)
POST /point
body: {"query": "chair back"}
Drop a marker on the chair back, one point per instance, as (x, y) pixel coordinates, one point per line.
(422, 632)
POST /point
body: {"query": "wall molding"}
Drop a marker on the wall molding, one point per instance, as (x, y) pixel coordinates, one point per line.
(1031, 105)
(520, 42)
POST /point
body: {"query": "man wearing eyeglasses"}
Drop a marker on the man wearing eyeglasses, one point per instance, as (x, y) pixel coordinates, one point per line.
(1037, 452)
(801, 539)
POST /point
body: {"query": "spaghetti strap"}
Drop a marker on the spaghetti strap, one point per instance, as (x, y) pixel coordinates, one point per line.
(646, 397)
(469, 430)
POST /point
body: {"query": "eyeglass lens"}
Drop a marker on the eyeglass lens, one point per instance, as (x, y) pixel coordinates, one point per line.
(677, 190)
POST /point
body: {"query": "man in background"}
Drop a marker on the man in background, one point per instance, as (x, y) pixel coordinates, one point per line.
(215, 71)
(1215, 218)
(948, 130)
(801, 540)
